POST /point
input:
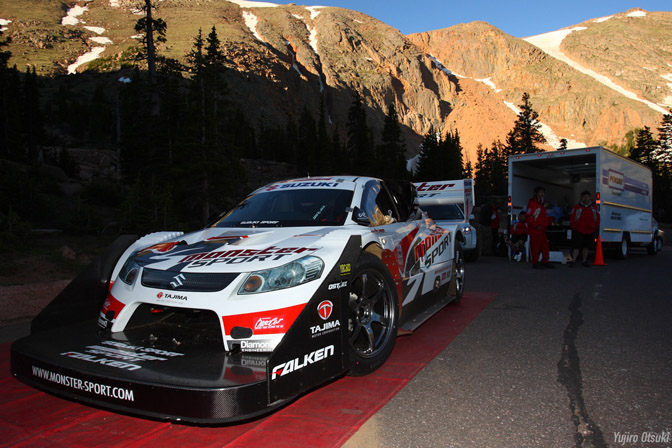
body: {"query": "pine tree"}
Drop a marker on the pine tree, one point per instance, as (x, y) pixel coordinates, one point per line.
(563, 145)
(451, 157)
(306, 143)
(360, 151)
(526, 133)
(663, 154)
(645, 145)
(391, 152)
(32, 122)
(154, 32)
(324, 157)
(428, 157)
(491, 171)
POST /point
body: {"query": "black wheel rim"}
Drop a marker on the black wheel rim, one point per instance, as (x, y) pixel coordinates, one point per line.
(459, 272)
(372, 314)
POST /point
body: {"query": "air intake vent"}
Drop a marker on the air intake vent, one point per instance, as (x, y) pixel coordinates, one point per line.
(186, 281)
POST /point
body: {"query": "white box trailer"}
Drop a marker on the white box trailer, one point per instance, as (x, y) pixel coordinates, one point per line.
(451, 202)
(621, 188)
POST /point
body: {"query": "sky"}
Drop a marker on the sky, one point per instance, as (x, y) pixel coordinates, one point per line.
(520, 18)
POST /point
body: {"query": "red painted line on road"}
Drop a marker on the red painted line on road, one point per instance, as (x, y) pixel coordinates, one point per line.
(326, 417)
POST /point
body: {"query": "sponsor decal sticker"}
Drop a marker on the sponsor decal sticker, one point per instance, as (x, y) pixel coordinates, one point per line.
(237, 256)
(264, 322)
(345, 269)
(72, 382)
(120, 355)
(269, 323)
(337, 286)
(168, 297)
(298, 363)
(252, 345)
(436, 187)
(325, 328)
(324, 309)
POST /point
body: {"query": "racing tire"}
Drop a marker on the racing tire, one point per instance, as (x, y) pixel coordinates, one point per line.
(373, 315)
(457, 280)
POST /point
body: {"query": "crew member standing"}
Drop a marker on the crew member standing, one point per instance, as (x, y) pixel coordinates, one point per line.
(537, 221)
(585, 222)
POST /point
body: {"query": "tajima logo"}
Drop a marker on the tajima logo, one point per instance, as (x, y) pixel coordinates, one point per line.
(324, 309)
(295, 364)
(169, 296)
(268, 323)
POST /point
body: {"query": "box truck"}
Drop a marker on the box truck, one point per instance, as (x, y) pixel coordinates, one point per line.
(620, 187)
(452, 202)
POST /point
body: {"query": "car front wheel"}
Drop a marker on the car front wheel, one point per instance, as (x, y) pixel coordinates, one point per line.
(457, 282)
(373, 315)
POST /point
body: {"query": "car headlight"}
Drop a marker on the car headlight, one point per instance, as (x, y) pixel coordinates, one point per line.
(130, 270)
(291, 274)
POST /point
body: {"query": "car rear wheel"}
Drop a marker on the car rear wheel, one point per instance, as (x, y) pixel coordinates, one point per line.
(373, 315)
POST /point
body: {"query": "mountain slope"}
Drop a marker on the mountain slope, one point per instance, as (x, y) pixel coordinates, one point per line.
(285, 58)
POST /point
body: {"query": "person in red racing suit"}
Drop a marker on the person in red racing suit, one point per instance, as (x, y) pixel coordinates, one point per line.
(537, 220)
(585, 222)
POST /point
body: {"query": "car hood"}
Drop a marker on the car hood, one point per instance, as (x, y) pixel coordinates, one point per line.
(239, 250)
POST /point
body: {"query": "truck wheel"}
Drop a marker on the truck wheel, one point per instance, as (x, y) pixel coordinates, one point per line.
(373, 315)
(457, 282)
(622, 249)
(655, 246)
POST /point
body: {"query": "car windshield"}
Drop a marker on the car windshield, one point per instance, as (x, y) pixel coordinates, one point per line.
(290, 208)
(444, 212)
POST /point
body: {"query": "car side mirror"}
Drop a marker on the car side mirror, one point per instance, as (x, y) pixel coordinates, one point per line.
(360, 217)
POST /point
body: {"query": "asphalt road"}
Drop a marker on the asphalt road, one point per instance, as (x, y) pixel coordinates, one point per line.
(560, 358)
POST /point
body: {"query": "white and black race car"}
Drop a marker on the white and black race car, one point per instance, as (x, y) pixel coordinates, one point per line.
(303, 281)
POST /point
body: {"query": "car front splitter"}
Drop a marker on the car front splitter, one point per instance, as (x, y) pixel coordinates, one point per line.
(146, 374)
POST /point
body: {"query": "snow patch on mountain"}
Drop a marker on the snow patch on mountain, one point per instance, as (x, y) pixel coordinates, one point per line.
(86, 57)
(73, 13)
(602, 19)
(314, 11)
(313, 38)
(636, 14)
(249, 4)
(441, 67)
(251, 23)
(114, 3)
(551, 137)
(488, 82)
(550, 43)
(102, 40)
(95, 29)
(3, 24)
(667, 101)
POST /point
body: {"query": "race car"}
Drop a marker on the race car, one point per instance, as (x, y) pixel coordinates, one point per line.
(450, 203)
(303, 281)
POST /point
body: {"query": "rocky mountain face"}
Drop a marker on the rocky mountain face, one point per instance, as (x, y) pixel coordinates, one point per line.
(467, 77)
